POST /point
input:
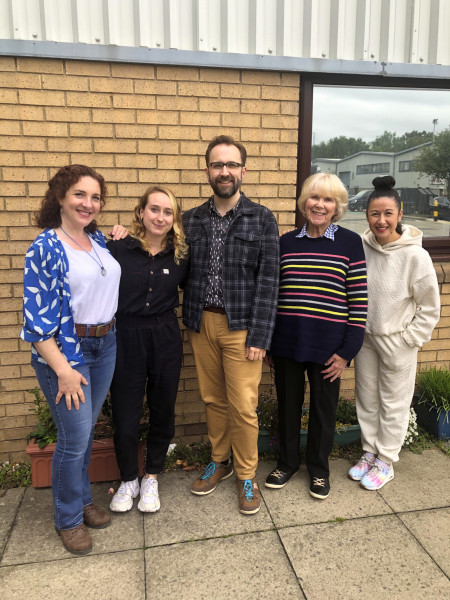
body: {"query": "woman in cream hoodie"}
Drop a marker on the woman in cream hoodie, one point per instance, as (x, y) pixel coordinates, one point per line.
(403, 310)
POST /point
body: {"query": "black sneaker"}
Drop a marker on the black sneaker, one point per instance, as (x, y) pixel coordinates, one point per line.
(319, 488)
(279, 478)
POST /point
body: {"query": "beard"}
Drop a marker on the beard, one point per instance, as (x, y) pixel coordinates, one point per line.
(229, 191)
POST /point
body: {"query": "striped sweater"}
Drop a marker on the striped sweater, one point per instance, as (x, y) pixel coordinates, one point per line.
(322, 302)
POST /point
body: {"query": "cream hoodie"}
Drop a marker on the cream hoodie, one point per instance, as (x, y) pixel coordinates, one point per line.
(403, 288)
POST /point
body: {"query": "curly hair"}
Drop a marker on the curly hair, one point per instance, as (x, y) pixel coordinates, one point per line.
(49, 214)
(175, 237)
(325, 184)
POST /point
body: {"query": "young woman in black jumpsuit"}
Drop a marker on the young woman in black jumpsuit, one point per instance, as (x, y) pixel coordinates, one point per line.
(149, 346)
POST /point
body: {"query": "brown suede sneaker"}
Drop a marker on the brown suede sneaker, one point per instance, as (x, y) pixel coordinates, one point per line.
(249, 496)
(76, 540)
(213, 473)
(96, 517)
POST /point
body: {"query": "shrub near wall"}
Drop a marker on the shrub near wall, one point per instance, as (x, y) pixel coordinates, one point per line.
(138, 125)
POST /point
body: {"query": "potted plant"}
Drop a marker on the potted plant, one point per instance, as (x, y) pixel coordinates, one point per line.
(433, 406)
(42, 441)
(347, 427)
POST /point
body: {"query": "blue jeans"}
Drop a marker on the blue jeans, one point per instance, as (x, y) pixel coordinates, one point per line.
(70, 478)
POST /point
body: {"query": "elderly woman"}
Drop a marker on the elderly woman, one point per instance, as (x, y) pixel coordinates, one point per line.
(319, 327)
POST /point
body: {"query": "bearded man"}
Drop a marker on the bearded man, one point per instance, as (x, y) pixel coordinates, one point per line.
(229, 309)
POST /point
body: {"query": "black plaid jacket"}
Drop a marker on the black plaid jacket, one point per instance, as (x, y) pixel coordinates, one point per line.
(250, 270)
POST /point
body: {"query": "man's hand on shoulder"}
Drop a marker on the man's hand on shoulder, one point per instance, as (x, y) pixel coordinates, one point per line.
(253, 353)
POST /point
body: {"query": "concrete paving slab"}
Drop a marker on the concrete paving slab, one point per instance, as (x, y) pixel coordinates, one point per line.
(9, 504)
(432, 529)
(293, 504)
(105, 577)
(421, 481)
(374, 557)
(243, 566)
(184, 516)
(35, 524)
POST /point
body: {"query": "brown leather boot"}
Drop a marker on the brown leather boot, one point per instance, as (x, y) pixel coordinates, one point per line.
(76, 540)
(96, 517)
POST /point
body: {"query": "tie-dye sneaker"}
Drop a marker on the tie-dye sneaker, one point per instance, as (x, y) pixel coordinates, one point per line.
(363, 466)
(379, 475)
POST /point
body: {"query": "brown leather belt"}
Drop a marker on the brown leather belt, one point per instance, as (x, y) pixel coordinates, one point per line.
(93, 330)
(215, 309)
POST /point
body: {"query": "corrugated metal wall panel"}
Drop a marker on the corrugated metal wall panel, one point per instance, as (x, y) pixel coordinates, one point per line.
(6, 20)
(121, 23)
(91, 27)
(58, 20)
(398, 31)
(443, 39)
(26, 18)
(346, 42)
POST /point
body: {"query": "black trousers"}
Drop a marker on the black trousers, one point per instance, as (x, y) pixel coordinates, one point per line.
(149, 356)
(324, 396)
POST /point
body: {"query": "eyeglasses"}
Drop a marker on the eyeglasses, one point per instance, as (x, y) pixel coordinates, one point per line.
(231, 166)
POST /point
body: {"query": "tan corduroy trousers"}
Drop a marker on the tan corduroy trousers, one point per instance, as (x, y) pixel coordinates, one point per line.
(229, 388)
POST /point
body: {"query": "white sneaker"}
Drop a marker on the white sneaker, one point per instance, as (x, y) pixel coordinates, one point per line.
(123, 498)
(149, 501)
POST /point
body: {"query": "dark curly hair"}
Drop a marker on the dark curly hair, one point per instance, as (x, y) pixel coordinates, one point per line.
(49, 214)
(384, 188)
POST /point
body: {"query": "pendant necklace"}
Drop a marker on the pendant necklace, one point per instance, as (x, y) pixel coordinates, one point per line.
(99, 262)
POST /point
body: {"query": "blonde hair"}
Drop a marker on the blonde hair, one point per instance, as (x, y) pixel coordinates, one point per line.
(175, 237)
(329, 186)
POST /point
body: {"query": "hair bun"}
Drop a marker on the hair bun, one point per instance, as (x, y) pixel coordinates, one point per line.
(383, 183)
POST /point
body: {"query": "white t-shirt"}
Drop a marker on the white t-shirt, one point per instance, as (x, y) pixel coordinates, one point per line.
(94, 296)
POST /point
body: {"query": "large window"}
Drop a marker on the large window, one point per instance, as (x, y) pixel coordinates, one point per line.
(402, 123)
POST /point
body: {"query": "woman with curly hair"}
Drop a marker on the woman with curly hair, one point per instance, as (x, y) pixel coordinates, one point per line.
(71, 286)
(149, 347)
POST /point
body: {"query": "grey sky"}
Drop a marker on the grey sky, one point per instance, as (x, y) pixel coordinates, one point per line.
(367, 113)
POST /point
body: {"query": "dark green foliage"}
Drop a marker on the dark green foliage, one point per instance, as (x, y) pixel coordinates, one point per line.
(45, 431)
(346, 412)
(14, 475)
(188, 456)
(435, 160)
(433, 385)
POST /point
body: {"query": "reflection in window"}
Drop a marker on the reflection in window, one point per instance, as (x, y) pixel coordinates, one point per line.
(375, 168)
(407, 165)
(404, 124)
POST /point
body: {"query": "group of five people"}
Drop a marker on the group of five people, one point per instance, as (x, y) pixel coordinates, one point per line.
(101, 314)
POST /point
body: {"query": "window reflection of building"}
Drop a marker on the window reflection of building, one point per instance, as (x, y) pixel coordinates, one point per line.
(358, 170)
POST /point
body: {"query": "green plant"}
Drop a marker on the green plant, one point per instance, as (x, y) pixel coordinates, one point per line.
(14, 475)
(433, 386)
(188, 456)
(412, 433)
(45, 431)
(346, 412)
(267, 412)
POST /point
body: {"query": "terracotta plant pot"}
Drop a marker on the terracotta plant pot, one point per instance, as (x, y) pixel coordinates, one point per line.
(103, 465)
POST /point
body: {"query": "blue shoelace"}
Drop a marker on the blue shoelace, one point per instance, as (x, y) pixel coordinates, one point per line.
(209, 471)
(247, 490)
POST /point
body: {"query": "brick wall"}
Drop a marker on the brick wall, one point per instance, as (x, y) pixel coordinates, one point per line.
(138, 125)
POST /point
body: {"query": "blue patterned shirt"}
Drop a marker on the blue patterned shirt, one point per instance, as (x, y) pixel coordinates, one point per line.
(47, 310)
